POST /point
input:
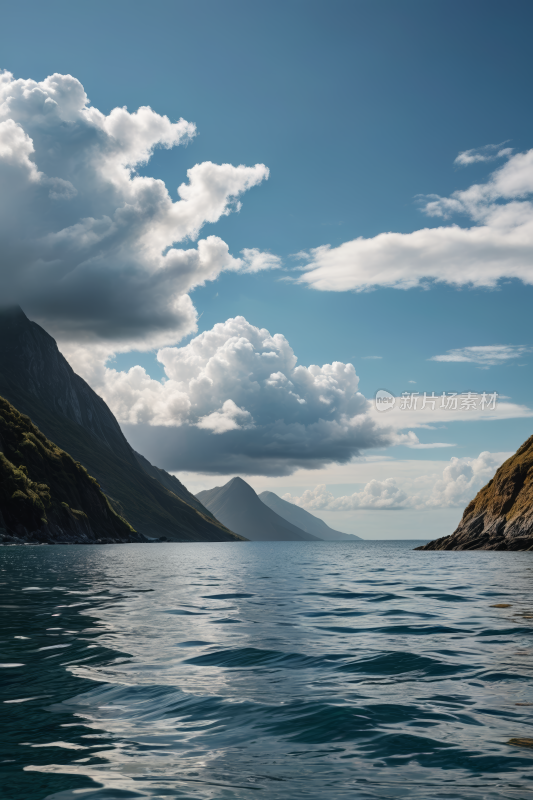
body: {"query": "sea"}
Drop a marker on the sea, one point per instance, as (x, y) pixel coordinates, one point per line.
(265, 671)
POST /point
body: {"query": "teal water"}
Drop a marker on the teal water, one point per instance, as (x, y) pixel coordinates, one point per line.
(265, 670)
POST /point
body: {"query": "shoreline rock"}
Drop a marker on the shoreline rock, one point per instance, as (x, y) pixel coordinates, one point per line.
(500, 517)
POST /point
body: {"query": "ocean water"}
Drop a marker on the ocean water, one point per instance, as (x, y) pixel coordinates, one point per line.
(269, 671)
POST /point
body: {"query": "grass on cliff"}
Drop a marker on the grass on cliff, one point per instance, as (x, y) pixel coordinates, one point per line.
(510, 492)
(40, 483)
(150, 507)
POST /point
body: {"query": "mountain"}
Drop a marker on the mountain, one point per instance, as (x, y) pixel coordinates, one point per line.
(46, 496)
(239, 507)
(40, 383)
(304, 520)
(500, 517)
(171, 483)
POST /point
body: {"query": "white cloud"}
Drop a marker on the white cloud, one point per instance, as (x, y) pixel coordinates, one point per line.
(376, 494)
(229, 418)
(429, 445)
(459, 482)
(88, 244)
(236, 361)
(238, 381)
(489, 152)
(462, 479)
(416, 415)
(498, 245)
(255, 260)
(486, 355)
(235, 401)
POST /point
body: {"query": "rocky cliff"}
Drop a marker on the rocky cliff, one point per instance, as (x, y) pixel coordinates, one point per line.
(500, 517)
(40, 383)
(46, 496)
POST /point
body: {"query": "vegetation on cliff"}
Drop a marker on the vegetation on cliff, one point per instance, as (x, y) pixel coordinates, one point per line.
(44, 494)
(39, 382)
(500, 517)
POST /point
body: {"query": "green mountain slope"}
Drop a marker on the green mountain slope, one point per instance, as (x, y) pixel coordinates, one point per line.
(39, 382)
(45, 495)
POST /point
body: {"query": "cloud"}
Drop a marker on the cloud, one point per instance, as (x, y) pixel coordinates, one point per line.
(229, 418)
(235, 400)
(254, 260)
(497, 246)
(429, 445)
(384, 495)
(412, 411)
(489, 152)
(487, 355)
(88, 244)
(460, 481)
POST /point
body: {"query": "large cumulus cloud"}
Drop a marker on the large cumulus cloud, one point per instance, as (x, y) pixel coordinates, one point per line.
(88, 245)
(497, 245)
(236, 400)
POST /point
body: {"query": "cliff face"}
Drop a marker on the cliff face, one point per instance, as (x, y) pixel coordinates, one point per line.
(500, 517)
(36, 378)
(46, 496)
(31, 362)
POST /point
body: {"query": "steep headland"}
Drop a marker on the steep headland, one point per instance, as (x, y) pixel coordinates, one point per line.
(40, 383)
(46, 496)
(239, 507)
(500, 517)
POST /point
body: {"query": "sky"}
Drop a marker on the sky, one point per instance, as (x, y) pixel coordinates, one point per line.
(241, 220)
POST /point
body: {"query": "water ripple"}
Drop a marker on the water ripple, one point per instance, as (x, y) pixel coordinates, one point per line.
(316, 670)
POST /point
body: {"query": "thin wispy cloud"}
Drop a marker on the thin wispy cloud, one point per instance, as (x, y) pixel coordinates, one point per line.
(486, 355)
(489, 152)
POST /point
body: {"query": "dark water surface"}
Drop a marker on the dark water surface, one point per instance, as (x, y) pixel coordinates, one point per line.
(265, 670)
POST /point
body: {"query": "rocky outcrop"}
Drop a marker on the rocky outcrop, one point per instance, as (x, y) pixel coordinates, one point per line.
(45, 496)
(500, 517)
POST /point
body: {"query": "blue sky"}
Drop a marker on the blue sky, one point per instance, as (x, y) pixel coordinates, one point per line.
(359, 110)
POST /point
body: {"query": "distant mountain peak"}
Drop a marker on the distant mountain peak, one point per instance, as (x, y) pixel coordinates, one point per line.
(13, 312)
(238, 484)
(237, 501)
(304, 519)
